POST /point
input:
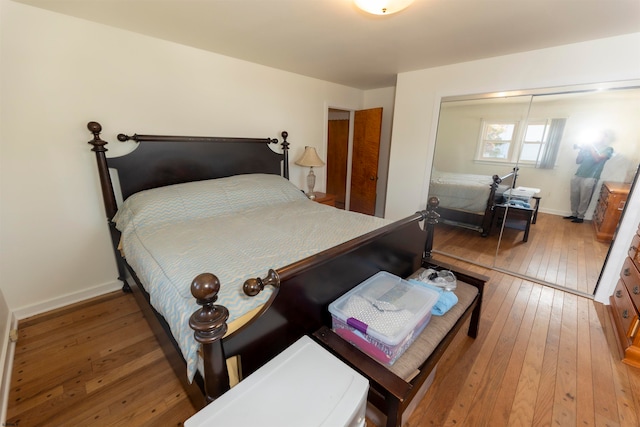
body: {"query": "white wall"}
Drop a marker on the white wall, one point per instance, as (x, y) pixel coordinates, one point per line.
(59, 73)
(418, 97)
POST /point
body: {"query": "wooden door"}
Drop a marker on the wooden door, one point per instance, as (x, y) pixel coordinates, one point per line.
(364, 164)
(337, 156)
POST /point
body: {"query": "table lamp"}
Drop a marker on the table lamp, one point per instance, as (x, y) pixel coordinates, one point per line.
(310, 159)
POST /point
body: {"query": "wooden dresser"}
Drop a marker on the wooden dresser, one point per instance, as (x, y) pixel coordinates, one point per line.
(611, 201)
(625, 305)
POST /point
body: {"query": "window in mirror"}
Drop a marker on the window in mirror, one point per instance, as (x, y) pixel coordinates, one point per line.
(497, 140)
(537, 143)
(535, 139)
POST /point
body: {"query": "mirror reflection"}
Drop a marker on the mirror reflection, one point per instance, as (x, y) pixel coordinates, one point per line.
(503, 168)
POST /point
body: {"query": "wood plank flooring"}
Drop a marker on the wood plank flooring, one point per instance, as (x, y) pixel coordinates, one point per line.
(543, 357)
(557, 251)
(93, 363)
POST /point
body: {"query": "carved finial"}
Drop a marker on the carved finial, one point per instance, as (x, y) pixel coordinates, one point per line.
(253, 287)
(205, 288)
(285, 143)
(433, 202)
(124, 138)
(95, 128)
(209, 322)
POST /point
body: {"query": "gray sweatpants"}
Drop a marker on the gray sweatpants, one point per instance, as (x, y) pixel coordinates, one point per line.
(581, 192)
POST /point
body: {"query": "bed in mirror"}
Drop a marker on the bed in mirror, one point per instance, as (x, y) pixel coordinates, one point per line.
(537, 134)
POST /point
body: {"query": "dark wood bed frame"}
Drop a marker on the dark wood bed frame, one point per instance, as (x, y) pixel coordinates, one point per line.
(303, 290)
(479, 222)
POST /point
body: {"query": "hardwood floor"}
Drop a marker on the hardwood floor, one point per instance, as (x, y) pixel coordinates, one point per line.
(95, 363)
(557, 251)
(543, 357)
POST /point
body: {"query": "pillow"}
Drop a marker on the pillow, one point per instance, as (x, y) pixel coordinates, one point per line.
(204, 199)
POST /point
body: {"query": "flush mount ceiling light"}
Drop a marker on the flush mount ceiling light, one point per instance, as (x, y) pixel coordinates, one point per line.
(382, 7)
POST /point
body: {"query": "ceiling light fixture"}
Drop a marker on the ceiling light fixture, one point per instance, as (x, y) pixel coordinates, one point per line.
(382, 7)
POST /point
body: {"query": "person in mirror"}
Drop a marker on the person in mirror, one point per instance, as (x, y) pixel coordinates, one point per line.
(591, 160)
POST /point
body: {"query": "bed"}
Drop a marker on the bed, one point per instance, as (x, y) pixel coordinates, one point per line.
(272, 295)
(467, 200)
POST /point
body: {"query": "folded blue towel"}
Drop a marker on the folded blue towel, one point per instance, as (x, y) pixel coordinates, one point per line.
(519, 203)
(446, 300)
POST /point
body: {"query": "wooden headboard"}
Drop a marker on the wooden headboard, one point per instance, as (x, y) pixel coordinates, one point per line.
(161, 160)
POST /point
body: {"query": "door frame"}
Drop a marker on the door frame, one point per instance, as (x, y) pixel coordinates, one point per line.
(383, 159)
(351, 112)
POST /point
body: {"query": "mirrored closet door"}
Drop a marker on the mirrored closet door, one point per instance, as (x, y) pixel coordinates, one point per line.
(520, 228)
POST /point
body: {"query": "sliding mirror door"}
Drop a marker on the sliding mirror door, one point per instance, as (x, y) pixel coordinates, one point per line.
(566, 252)
(475, 142)
(550, 130)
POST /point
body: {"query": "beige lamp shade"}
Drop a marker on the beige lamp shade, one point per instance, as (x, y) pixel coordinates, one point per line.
(310, 158)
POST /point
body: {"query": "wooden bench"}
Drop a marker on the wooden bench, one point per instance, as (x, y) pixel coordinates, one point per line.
(393, 388)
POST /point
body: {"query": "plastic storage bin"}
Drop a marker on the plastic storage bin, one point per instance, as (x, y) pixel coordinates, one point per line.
(305, 385)
(383, 315)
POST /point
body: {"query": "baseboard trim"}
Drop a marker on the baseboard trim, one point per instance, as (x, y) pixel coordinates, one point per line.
(7, 365)
(67, 299)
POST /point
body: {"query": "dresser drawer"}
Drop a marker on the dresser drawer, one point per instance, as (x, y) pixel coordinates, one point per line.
(624, 309)
(599, 213)
(631, 279)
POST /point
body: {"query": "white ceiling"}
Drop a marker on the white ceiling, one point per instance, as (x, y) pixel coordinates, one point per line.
(332, 40)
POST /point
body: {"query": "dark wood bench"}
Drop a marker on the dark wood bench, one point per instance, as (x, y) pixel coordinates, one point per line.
(394, 388)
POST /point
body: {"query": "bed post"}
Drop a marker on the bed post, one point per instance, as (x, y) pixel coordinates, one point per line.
(285, 152)
(488, 213)
(99, 148)
(430, 224)
(108, 197)
(210, 324)
(515, 176)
